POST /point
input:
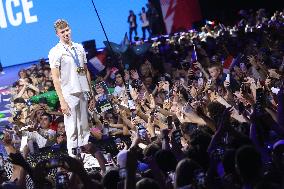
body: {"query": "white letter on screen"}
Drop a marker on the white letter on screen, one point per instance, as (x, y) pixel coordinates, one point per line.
(3, 22)
(27, 5)
(19, 17)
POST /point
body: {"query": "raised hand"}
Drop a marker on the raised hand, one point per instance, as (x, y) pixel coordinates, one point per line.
(152, 101)
(274, 74)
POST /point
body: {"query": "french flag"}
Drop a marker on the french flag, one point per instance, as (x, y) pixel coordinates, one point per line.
(194, 55)
(210, 22)
(96, 64)
(230, 62)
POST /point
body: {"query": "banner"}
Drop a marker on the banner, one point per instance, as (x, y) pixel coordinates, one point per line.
(179, 15)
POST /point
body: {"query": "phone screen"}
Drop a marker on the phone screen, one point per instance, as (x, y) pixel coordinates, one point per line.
(176, 136)
(170, 122)
(1, 135)
(141, 131)
(190, 128)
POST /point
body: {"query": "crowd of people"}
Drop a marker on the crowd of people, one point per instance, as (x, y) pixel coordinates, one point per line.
(200, 109)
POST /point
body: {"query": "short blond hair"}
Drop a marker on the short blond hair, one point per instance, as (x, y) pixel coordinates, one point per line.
(60, 24)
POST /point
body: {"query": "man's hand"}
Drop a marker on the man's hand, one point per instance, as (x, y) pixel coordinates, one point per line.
(152, 101)
(197, 65)
(65, 108)
(274, 74)
(7, 140)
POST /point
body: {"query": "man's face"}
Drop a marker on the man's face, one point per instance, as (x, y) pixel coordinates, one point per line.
(61, 128)
(30, 93)
(144, 70)
(214, 72)
(44, 122)
(148, 81)
(20, 106)
(99, 89)
(64, 35)
(118, 79)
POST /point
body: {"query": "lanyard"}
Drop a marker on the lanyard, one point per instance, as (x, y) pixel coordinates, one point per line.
(76, 58)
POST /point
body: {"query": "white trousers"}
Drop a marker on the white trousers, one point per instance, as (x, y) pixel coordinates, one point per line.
(76, 125)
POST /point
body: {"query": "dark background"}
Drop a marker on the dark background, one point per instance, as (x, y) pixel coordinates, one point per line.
(226, 10)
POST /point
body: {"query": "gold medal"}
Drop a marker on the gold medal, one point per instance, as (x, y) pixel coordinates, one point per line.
(81, 71)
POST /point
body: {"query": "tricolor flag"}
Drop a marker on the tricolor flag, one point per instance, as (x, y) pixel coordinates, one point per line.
(194, 55)
(230, 62)
(210, 22)
(227, 64)
(96, 64)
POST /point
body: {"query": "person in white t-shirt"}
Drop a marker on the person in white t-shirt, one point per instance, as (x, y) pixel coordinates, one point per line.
(71, 80)
(145, 23)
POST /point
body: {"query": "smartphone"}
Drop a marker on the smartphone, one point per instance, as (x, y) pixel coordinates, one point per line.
(260, 100)
(141, 131)
(176, 136)
(228, 77)
(177, 123)
(209, 81)
(190, 127)
(62, 180)
(200, 82)
(76, 151)
(1, 135)
(170, 122)
(241, 108)
(243, 67)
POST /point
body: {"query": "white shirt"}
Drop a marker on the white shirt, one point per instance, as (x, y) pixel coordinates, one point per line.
(145, 21)
(63, 57)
